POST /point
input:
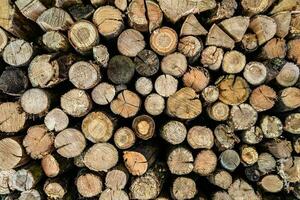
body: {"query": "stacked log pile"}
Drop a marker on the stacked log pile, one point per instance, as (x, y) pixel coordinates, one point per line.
(145, 99)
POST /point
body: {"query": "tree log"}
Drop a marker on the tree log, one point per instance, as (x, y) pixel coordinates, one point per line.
(143, 127)
(147, 63)
(124, 138)
(230, 160)
(120, 69)
(88, 184)
(200, 137)
(205, 162)
(212, 57)
(233, 62)
(217, 37)
(174, 64)
(130, 42)
(255, 73)
(35, 101)
(196, 78)
(166, 85)
(31, 9)
(164, 41)
(183, 188)
(143, 86)
(218, 111)
(180, 161)
(56, 120)
(191, 26)
(173, 132)
(154, 104)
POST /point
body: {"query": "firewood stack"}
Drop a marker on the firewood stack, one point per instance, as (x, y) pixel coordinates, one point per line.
(145, 99)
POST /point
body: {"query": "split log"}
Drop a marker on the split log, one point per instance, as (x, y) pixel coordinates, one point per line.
(293, 53)
(143, 86)
(140, 159)
(69, 143)
(166, 85)
(12, 118)
(190, 47)
(117, 178)
(205, 162)
(164, 41)
(120, 69)
(288, 75)
(224, 9)
(243, 116)
(233, 62)
(212, 57)
(283, 20)
(249, 155)
(6, 180)
(221, 178)
(241, 189)
(101, 55)
(81, 11)
(154, 104)
(55, 41)
(55, 188)
(137, 15)
(174, 64)
(54, 165)
(127, 104)
(180, 161)
(230, 160)
(271, 183)
(288, 99)
(279, 148)
(236, 27)
(88, 184)
(101, 157)
(218, 111)
(121, 4)
(249, 42)
(266, 163)
(124, 138)
(191, 26)
(143, 127)
(108, 194)
(196, 78)
(271, 126)
(284, 5)
(103, 93)
(109, 21)
(48, 20)
(217, 37)
(56, 120)
(130, 42)
(31, 9)
(173, 132)
(183, 188)
(147, 63)
(83, 36)
(200, 137)
(225, 137)
(253, 135)
(210, 94)
(255, 73)
(291, 123)
(154, 15)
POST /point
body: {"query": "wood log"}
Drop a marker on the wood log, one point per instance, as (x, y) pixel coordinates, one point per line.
(88, 184)
(221, 195)
(81, 11)
(230, 160)
(288, 99)
(262, 98)
(35, 101)
(174, 64)
(196, 78)
(255, 73)
(241, 189)
(183, 188)
(121, 4)
(225, 9)
(288, 75)
(31, 9)
(191, 26)
(249, 42)
(137, 15)
(113, 194)
(154, 104)
(253, 8)
(103, 93)
(120, 69)
(173, 132)
(101, 157)
(243, 116)
(217, 37)
(221, 178)
(154, 15)
(190, 47)
(55, 41)
(69, 143)
(56, 120)
(127, 104)
(293, 53)
(55, 188)
(143, 127)
(166, 85)
(212, 57)
(163, 40)
(249, 155)
(279, 148)
(83, 36)
(101, 55)
(218, 111)
(253, 135)
(124, 138)
(233, 62)
(48, 20)
(143, 86)
(200, 137)
(283, 20)
(109, 21)
(18, 58)
(147, 63)
(117, 178)
(271, 183)
(5, 181)
(130, 42)
(205, 162)
(291, 123)
(180, 161)
(225, 137)
(30, 194)
(271, 126)
(236, 27)
(140, 159)
(54, 165)
(210, 94)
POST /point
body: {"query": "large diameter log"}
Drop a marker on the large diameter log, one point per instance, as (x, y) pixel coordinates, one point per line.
(253, 135)
(103, 93)
(221, 178)
(255, 7)
(183, 188)
(279, 148)
(288, 75)
(164, 40)
(224, 9)
(205, 162)
(191, 47)
(271, 126)
(274, 48)
(293, 52)
(218, 111)
(143, 86)
(200, 137)
(266, 163)
(271, 183)
(108, 194)
(283, 20)
(230, 160)
(249, 155)
(262, 98)
(225, 137)
(180, 161)
(174, 64)
(154, 14)
(288, 99)
(233, 62)
(210, 94)
(255, 73)
(120, 69)
(137, 15)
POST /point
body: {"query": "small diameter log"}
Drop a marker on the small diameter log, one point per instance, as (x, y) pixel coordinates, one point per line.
(249, 42)
(27, 178)
(97, 127)
(293, 52)
(55, 188)
(217, 37)
(283, 20)
(173, 132)
(30, 194)
(205, 162)
(271, 183)
(279, 148)
(221, 178)
(76, 103)
(253, 135)
(101, 157)
(236, 27)
(120, 69)
(191, 26)
(218, 111)
(48, 20)
(230, 160)
(196, 78)
(234, 90)
(35, 101)
(164, 41)
(243, 116)
(255, 73)
(12, 153)
(166, 85)
(271, 126)
(288, 99)
(154, 104)
(108, 194)
(53, 165)
(143, 127)
(190, 47)
(56, 120)
(225, 137)
(81, 11)
(210, 94)
(154, 14)
(103, 93)
(291, 123)
(253, 7)
(12, 118)
(109, 21)
(139, 188)
(31, 9)
(101, 55)
(180, 161)
(262, 98)
(69, 143)
(5, 180)
(224, 9)
(184, 104)
(140, 159)
(233, 62)
(200, 137)
(264, 27)
(18, 58)
(83, 36)
(183, 188)
(274, 48)
(55, 41)
(288, 75)
(127, 104)
(88, 184)
(117, 178)
(137, 15)
(240, 189)
(131, 42)
(249, 155)
(124, 138)
(221, 195)
(38, 142)
(84, 75)
(4, 39)
(266, 163)
(143, 86)
(212, 57)
(174, 64)
(147, 63)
